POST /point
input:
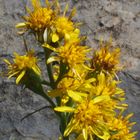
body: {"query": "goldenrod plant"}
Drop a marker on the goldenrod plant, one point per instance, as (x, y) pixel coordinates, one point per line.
(88, 101)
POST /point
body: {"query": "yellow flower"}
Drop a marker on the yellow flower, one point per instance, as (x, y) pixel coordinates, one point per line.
(103, 85)
(70, 81)
(106, 59)
(88, 116)
(121, 126)
(21, 64)
(73, 54)
(64, 27)
(39, 19)
(74, 36)
(106, 85)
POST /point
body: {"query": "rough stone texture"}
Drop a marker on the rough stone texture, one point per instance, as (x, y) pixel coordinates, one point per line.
(101, 18)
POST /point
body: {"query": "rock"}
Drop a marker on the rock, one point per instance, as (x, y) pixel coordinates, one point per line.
(112, 7)
(126, 15)
(40, 126)
(109, 21)
(131, 85)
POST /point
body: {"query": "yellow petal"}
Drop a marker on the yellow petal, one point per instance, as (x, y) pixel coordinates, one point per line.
(101, 98)
(73, 12)
(77, 31)
(86, 67)
(67, 36)
(55, 37)
(21, 25)
(70, 127)
(20, 76)
(66, 9)
(13, 74)
(119, 91)
(49, 47)
(91, 137)
(36, 70)
(64, 109)
(101, 132)
(28, 10)
(85, 135)
(76, 97)
(101, 78)
(36, 4)
(129, 116)
(91, 80)
(107, 56)
(6, 61)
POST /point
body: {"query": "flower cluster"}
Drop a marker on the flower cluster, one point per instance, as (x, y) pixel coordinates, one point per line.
(89, 102)
(95, 103)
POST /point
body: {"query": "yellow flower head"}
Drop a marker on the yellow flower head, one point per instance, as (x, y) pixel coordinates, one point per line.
(39, 19)
(64, 27)
(106, 59)
(70, 81)
(67, 83)
(105, 85)
(73, 54)
(121, 126)
(21, 64)
(88, 117)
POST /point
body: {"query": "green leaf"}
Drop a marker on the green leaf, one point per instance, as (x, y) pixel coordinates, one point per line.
(52, 59)
(33, 82)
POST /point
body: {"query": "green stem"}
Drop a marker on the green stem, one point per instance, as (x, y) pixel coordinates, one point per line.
(53, 85)
(63, 125)
(50, 75)
(44, 82)
(65, 138)
(63, 71)
(49, 67)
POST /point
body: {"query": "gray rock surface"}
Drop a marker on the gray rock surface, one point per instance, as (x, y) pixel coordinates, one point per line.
(101, 18)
